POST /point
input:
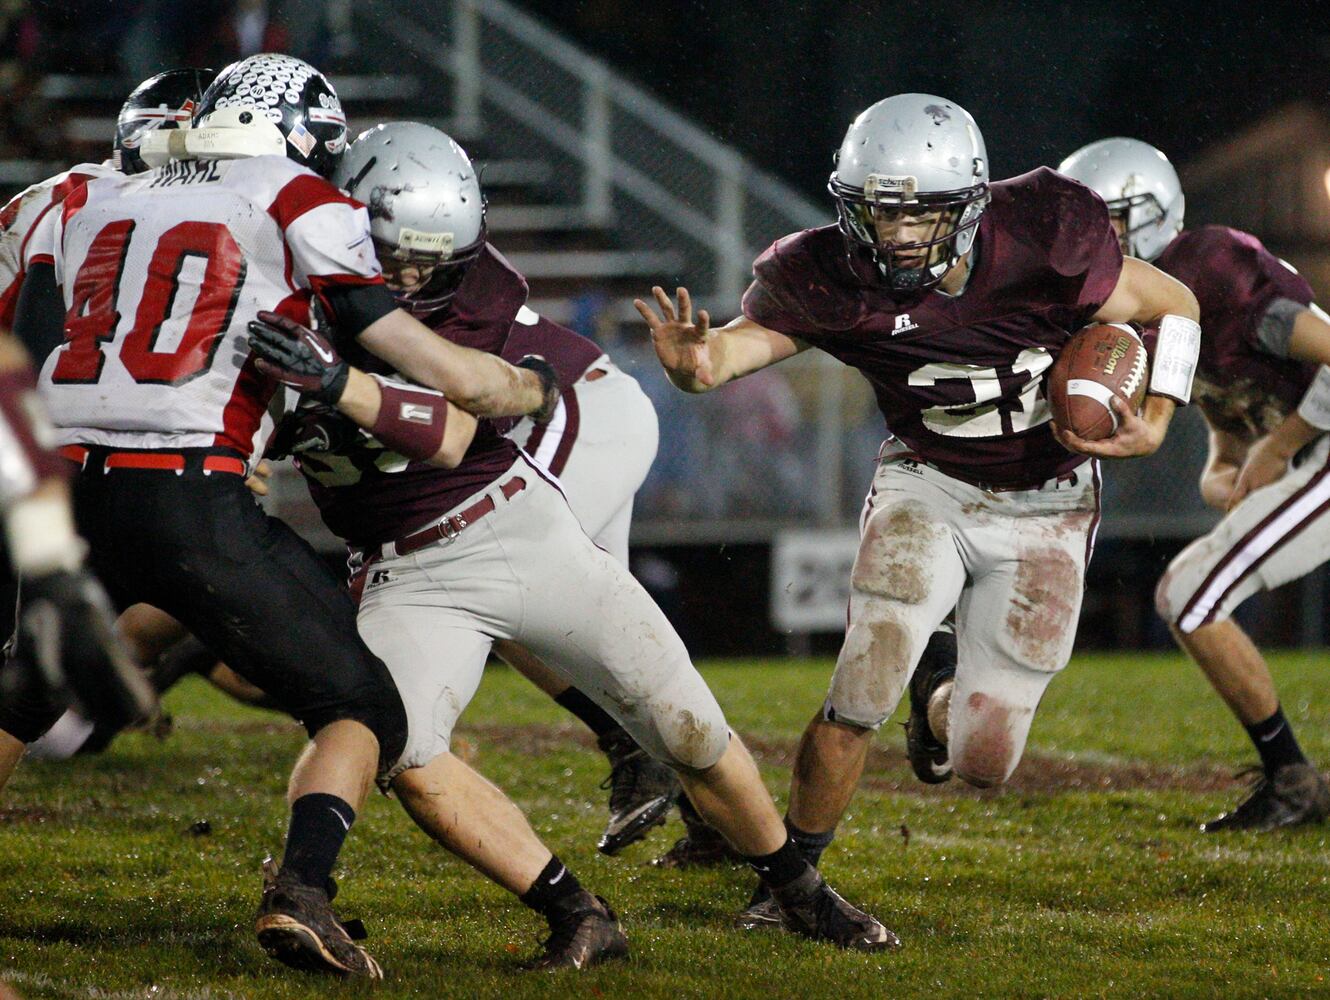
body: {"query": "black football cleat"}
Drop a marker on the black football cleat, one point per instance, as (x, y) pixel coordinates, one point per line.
(762, 912)
(296, 926)
(584, 931)
(928, 755)
(812, 909)
(642, 790)
(1295, 794)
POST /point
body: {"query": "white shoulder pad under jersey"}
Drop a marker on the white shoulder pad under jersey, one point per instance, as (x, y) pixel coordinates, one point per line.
(162, 272)
(18, 218)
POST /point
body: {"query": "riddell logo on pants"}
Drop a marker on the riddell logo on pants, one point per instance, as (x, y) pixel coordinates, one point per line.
(379, 577)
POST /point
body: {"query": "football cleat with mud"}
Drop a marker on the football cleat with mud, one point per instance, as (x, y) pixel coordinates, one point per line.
(642, 790)
(297, 927)
(762, 912)
(584, 931)
(812, 909)
(928, 755)
(1294, 795)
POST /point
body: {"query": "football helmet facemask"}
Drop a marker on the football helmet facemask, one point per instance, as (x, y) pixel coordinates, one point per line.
(283, 92)
(166, 101)
(426, 209)
(911, 183)
(1140, 186)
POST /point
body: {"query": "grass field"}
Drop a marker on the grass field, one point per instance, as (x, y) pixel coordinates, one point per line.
(1084, 877)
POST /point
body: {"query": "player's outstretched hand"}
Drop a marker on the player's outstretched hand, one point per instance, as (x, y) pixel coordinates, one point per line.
(683, 346)
(298, 356)
(1135, 436)
(66, 635)
(1267, 462)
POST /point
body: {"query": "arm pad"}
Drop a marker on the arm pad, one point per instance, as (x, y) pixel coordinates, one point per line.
(411, 420)
(1315, 405)
(1176, 351)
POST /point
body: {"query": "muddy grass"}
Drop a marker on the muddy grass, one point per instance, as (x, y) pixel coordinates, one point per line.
(887, 769)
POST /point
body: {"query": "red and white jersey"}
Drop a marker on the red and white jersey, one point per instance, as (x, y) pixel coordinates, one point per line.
(18, 220)
(161, 273)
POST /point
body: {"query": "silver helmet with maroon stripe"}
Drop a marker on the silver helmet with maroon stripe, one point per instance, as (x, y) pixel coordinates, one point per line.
(1141, 187)
(285, 103)
(426, 209)
(910, 184)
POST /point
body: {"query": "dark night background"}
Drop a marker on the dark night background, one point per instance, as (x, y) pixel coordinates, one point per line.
(783, 81)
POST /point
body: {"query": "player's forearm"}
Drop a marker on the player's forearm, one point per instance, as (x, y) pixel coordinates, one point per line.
(1310, 339)
(1292, 435)
(413, 422)
(480, 383)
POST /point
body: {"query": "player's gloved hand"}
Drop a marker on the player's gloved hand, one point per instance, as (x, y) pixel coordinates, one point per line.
(66, 635)
(310, 427)
(298, 356)
(549, 384)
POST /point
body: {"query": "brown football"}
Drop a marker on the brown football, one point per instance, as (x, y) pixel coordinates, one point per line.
(1098, 361)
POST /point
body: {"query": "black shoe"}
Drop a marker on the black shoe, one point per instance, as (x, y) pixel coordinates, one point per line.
(811, 908)
(641, 792)
(1293, 795)
(762, 912)
(296, 926)
(928, 755)
(584, 931)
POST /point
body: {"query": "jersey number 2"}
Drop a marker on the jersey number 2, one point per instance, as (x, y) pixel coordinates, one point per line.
(201, 258)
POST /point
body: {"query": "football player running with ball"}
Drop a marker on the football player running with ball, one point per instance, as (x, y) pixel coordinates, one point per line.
(1263, 385)
(139, 290)
(953, 296)
(463, 540)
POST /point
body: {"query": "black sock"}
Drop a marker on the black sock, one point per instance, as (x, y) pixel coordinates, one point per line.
(811, 845)
(596, 718)
(780, 867)
(319, 824)
(1275, 742)
(554, 883)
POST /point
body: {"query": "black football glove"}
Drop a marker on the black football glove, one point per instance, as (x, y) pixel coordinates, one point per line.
(66, 636)
(549, 383)
(313, 427)
(299, 357)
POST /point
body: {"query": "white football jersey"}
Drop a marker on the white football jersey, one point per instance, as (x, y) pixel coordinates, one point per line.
(161, 273)
(19, 218)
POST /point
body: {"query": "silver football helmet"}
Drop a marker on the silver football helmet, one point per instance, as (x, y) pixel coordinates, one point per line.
(427, 213)
(911, 182)
(1140, 186)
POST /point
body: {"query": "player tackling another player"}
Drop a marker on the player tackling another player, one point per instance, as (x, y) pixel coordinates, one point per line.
(1264, 389)
(455, 553)
(953, 296)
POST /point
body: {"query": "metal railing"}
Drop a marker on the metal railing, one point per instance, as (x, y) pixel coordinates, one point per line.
(789, 447)
(625, 153)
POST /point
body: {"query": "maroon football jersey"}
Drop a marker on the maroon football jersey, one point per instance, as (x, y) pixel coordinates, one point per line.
(1241, 387)
(959, 378)
(369, 495)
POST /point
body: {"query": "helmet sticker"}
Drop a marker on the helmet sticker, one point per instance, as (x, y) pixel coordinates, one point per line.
(414, 239)
(300, 138)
